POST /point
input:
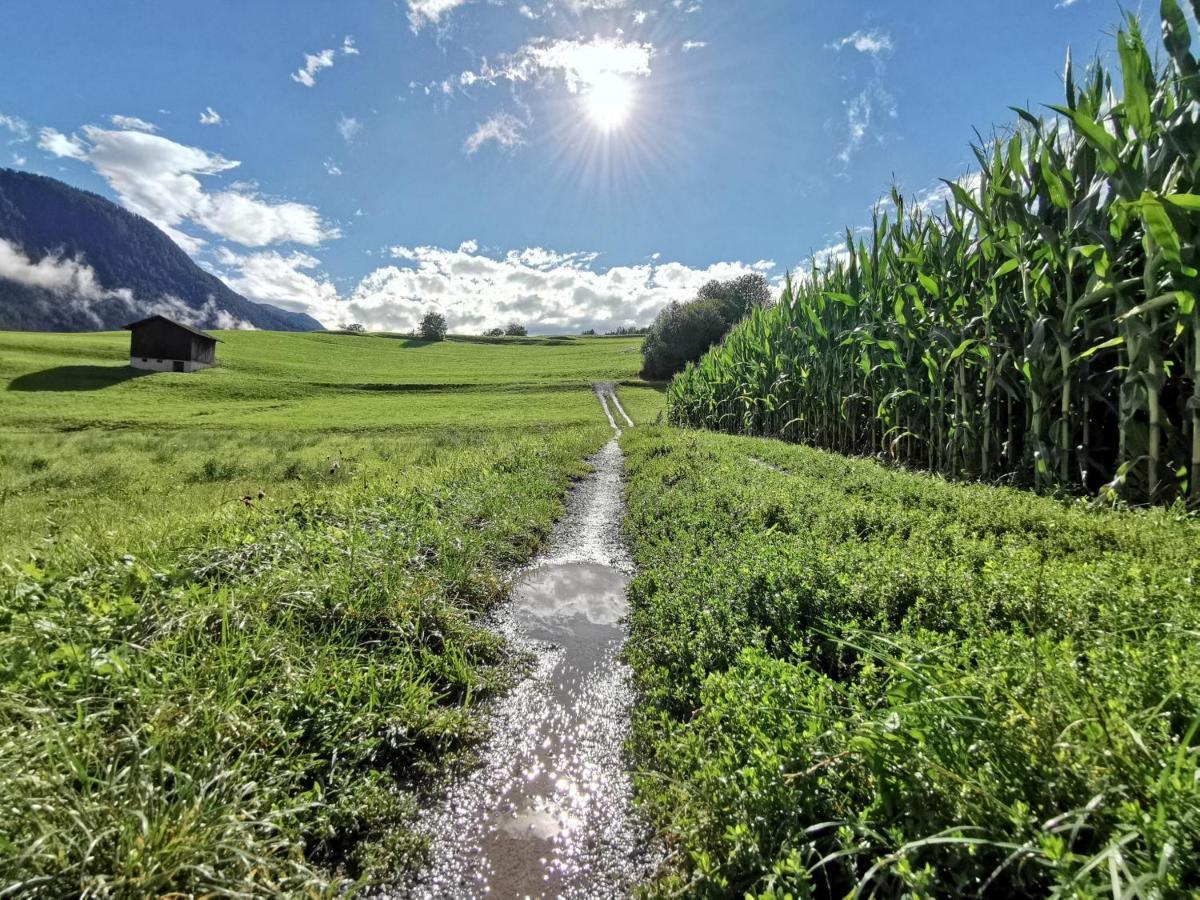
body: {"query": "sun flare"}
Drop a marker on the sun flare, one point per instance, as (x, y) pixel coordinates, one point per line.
(609, 101)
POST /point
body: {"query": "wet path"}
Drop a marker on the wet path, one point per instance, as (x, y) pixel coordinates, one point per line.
(547, 814)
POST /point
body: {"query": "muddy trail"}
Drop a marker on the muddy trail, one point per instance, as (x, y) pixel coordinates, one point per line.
(548, 811)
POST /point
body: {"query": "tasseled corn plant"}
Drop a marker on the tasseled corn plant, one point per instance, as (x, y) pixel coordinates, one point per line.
(1043, 329)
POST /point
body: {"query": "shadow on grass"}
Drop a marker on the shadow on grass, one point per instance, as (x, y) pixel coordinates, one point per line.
(406, 340)
(512, 340)
(660, 386)
(75, 378)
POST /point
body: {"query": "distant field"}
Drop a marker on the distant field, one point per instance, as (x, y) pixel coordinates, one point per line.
(86, 441)
(321, 381)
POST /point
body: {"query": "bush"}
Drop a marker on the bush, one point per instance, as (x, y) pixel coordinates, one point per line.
(853, 676)
(515, 329)
(433, 327)
(682, 333)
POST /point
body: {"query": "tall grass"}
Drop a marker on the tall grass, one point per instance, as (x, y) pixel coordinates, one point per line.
(1043, 328)
(252, 705)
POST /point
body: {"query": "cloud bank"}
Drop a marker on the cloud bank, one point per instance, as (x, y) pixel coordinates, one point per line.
(75, 285)
(551, 292)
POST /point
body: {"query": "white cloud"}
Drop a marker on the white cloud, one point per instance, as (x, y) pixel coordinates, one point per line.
(429, 12)
(51, 273)
(160, 179)
(18, 159)
(872, 104)
(74, 284)
(504, 129)
(580, 64)
(58, 144)
(17, 126)
(209, 315)
(863, 111)
(548, 290)
(322, 59)
(332, 168)
(578, 6)
(210, 117)
(870, 42)
(349, 128)
(133, 123)
(281, 280)
(688, 46)
(313, 63)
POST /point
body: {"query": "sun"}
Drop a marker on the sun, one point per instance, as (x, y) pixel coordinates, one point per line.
(609, 101)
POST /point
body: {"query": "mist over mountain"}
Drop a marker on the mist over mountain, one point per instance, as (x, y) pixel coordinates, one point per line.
(70, 260)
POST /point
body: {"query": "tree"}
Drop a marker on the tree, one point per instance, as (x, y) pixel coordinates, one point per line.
(683, 332)
(494, 332)
(433, 327)
(355, 328)
(515, 329)
(739, 296)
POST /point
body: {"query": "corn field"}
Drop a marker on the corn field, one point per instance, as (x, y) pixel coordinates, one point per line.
(1042, 329)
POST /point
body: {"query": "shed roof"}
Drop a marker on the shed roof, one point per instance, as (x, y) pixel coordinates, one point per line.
(188, 328)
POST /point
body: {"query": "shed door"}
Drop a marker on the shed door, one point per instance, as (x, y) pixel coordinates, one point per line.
(178, 365)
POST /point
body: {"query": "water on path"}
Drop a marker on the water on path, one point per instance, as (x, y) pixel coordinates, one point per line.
(547, 813)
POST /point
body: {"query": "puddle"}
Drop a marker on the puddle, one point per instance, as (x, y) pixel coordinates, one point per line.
(548, 812)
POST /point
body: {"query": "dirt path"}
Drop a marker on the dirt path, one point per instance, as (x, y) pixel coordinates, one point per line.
(547, 814)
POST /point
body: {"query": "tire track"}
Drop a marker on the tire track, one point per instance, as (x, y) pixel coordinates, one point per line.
(607, 392)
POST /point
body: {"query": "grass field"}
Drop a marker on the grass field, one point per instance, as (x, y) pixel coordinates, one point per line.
(211, 694)
(856, 678)
(850, 676)
(87, 442)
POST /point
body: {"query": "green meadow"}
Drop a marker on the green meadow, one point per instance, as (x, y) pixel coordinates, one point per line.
(239, 609)
(87, 443)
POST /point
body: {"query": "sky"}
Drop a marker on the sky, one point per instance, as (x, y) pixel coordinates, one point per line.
(568, 164)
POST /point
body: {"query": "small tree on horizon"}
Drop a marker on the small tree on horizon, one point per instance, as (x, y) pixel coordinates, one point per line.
(355, 328)
(515, 329)
(433, 327)
(494, 332)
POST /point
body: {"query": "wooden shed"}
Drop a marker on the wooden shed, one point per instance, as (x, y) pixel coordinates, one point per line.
(164, 345)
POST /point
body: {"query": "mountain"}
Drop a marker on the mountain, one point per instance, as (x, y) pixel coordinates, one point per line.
(72, 261)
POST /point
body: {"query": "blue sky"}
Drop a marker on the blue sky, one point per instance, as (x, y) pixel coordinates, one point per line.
(567, 163)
